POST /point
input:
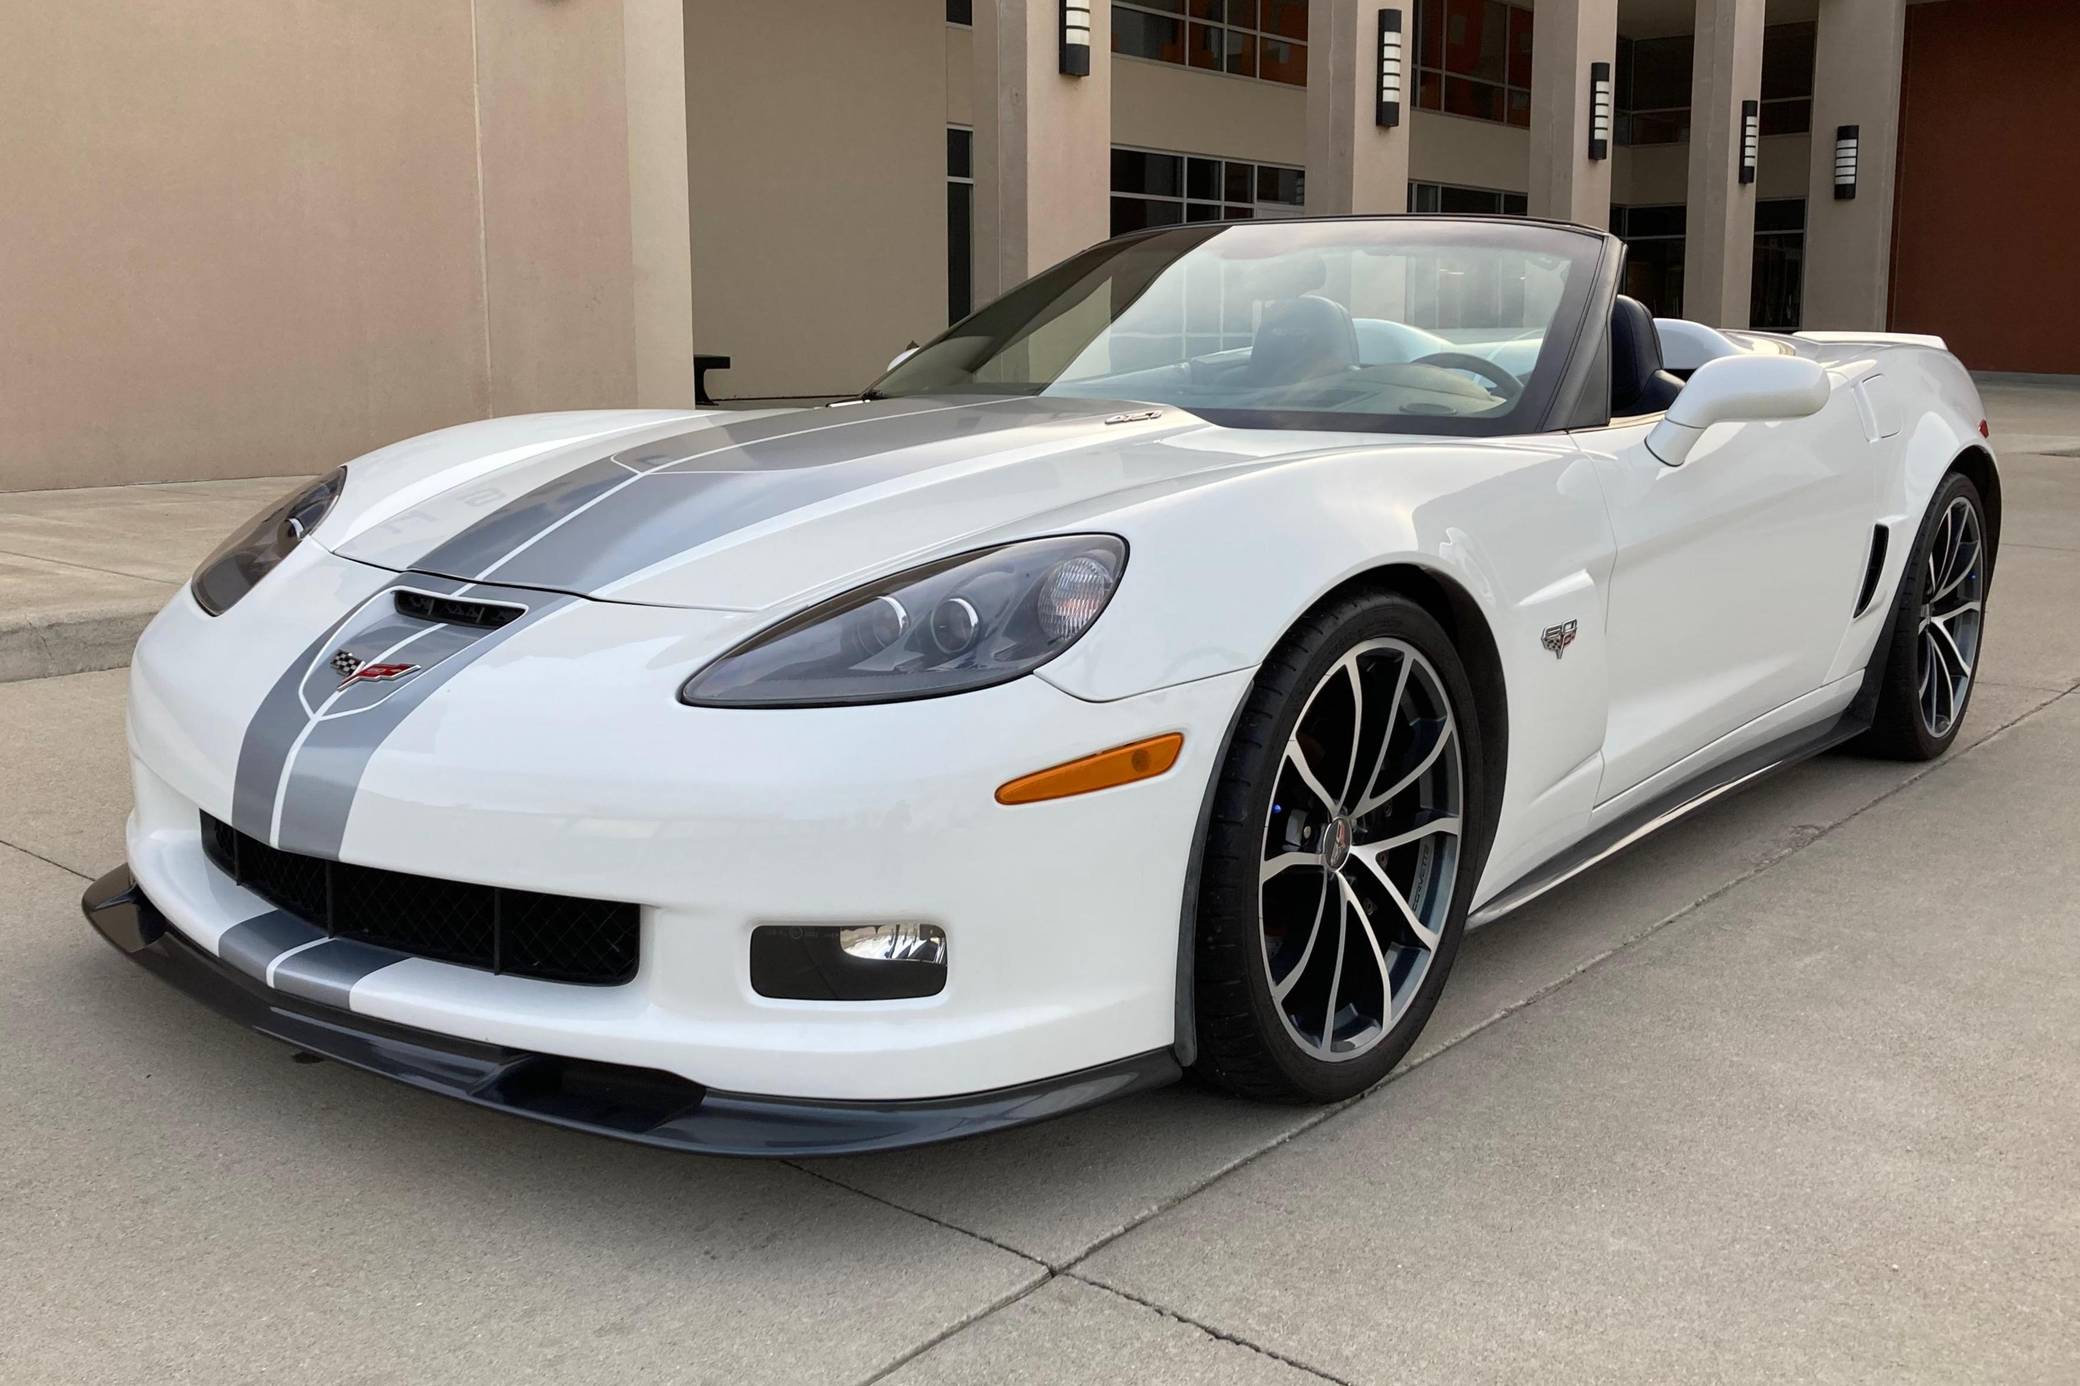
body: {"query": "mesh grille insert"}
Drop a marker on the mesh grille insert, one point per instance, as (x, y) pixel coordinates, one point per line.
(555, 937)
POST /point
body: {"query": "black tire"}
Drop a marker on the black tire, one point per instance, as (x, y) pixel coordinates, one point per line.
(1244, 1044)
(1900, 726)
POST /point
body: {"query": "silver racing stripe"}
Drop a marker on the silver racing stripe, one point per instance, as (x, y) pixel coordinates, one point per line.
(323, 770)
(257, 942)
(675, 494)
(326, 972)
(509, 529)
(283, 951)
(282, 716)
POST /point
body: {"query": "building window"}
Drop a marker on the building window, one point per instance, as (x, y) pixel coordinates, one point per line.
(1246, 38)
(1787, 79)
(1473, 58)
(1458, 201)
(1653, 239)
(960, 223)
(1153, 187)
(960, 12)
(1653, 81)
(1776, 300)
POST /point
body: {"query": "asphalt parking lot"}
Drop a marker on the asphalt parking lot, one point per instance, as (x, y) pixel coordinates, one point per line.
(1790, 1092)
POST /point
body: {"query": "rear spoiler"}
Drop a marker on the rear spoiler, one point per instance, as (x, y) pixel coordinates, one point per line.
(1874, 339)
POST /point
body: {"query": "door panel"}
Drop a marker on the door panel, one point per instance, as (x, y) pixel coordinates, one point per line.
(1736, 574)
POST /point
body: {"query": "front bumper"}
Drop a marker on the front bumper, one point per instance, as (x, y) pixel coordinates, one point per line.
(561, 762)
(628, 1103)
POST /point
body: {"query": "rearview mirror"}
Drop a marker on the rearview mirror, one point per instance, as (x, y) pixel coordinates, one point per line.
(1738, 389)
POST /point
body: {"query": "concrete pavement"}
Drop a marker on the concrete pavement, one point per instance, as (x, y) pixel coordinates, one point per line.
(1790, 1091)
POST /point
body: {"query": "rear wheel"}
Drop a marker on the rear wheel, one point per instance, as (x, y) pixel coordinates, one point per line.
(1937, 626)
(1337, 865)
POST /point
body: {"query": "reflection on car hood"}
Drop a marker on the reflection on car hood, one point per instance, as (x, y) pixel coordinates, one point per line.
(741, 512)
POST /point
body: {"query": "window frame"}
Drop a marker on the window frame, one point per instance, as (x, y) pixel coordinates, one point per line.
(1428, 77)
(1181, 12)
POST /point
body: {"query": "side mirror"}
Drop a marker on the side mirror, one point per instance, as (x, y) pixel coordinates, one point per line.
(1736, 389)
(900, 357)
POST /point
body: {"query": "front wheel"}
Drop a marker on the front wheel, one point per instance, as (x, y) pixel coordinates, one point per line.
(1937, 625)
(1338, 860)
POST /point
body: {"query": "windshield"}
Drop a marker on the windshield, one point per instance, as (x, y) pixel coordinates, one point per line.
(1404, 325)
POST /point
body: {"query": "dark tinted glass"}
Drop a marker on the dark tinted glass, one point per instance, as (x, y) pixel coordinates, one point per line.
(1787, 117)
(1142, 35)
(1787, 61)
(1519, 47)
(1481, 100)
(1242, 53)
(1280, 61)
(1780, 214)
(1656, 221)
(1134, 170)
(1661, 73)
(1286, 18)
(1466, 201)
(1202, 178)
(1280, 185)
(960, 153)
(960, 11)
(960, 277)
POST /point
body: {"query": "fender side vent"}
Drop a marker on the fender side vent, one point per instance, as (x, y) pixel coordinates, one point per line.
(1880, 538)
(456, 611)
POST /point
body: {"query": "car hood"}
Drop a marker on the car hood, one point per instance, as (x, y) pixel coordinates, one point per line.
(741, 512)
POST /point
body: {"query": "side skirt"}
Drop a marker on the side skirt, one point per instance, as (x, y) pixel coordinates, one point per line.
(1678, 802)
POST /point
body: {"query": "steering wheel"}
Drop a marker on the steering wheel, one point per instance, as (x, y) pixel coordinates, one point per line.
(1512, 387)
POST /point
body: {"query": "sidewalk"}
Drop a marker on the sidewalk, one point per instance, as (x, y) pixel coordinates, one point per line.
(82, 571)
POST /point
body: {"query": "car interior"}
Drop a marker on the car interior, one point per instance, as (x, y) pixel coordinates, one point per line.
(1639, 384)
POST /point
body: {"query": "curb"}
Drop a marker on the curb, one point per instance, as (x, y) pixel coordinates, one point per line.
(47, 644)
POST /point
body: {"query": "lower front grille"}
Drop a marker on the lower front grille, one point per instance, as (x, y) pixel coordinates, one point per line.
(554, 937)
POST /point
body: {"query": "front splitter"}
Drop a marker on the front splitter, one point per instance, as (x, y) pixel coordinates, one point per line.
(643, 1105)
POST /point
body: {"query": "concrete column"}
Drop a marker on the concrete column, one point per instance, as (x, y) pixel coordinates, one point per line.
(1719, 252)
(1566, 184)
(1354, 164)
(586, 271)
(653, 38)
(1043, 142)
(1856, 81)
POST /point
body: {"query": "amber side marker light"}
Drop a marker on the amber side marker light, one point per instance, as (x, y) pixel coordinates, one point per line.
(1141, 760)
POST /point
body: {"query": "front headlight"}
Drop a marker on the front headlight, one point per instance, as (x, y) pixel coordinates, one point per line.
(253, 552)
(961, 623)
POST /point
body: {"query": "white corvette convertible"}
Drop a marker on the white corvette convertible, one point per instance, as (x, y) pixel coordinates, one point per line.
(1157, 672)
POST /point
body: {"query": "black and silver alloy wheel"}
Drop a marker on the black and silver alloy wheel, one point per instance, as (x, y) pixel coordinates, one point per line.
(1343, 843)
(1952, 609)
(1360, 850)
(1938, 624)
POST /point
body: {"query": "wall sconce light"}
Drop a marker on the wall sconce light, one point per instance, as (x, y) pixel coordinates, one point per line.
(1076, 38)
(1599, 110)
(1388, 110)
(1847, 140)
(1751, 138)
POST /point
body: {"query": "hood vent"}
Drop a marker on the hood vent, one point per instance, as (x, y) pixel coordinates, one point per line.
(456, 611)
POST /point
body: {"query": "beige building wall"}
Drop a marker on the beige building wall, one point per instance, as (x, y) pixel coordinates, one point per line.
(817, 143)
(1164, 106)
(1470, 153)
(258, 238)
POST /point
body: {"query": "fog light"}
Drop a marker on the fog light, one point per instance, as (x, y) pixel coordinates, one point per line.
(855, 962)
